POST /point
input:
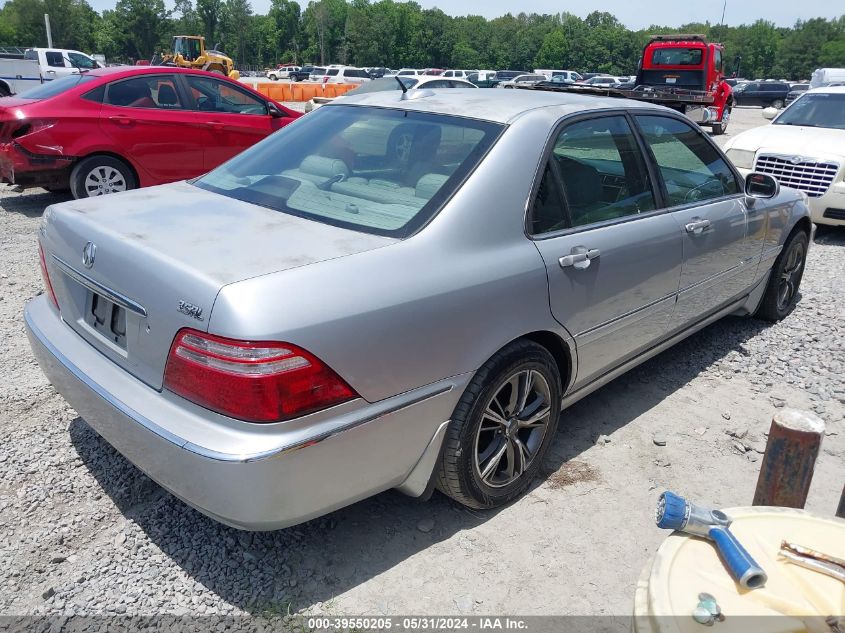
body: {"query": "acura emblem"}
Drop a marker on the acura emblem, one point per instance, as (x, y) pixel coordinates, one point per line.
(88, 254)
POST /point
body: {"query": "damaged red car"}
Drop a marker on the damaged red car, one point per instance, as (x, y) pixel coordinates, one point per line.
(121, 128)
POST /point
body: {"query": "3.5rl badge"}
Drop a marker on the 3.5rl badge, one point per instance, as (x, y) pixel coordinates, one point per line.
(190, 309)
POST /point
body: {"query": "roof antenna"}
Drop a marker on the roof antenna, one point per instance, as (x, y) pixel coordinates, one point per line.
(403, 86)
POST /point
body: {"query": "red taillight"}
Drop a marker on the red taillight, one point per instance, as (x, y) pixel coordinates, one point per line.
(46, 277)
(252, 381)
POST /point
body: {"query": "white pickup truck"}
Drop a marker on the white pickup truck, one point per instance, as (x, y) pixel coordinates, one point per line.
(17, 75)
(59, 62)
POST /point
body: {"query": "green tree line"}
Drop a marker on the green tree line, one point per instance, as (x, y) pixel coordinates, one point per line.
(396, 34)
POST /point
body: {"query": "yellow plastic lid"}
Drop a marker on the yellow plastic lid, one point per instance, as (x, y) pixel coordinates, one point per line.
(685, 566)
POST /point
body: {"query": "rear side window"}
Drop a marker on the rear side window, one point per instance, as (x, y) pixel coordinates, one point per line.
(374, 170)
(96, 95)
(692, 169)
(332, 72)
(149, 91)
(55, 59)
(601, 172)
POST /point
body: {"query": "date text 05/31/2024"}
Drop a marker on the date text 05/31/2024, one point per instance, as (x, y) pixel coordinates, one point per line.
(415, 623)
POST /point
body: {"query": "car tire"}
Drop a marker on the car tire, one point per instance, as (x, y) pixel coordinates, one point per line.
(777, 103)
(722, 126)
(114, 174)
(4, 90)
(401, 142)
(274, 78)
(782, 290)
(485, 463)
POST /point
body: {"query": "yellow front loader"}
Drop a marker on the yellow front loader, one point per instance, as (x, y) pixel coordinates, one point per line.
(189, 51)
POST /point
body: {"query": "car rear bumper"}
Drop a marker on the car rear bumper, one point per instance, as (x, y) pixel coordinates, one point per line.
(20, 167)
(303, 473)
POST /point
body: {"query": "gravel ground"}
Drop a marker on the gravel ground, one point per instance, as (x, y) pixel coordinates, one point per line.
(82, 531)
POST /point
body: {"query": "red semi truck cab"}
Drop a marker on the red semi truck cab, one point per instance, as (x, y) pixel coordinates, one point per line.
(679, 64)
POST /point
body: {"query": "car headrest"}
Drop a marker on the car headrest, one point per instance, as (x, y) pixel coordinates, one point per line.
(167, 95)
(323, 166)
(429, 185)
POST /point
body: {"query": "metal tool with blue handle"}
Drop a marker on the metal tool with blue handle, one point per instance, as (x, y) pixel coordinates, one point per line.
(676, 513)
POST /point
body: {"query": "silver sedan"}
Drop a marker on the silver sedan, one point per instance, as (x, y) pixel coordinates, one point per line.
(399, 292)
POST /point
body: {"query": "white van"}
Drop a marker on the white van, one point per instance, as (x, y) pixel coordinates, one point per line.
(60, 62)
(823, 76)
(568, 75)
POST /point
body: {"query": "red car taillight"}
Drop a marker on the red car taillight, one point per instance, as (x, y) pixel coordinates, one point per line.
(46, 276)
(252, 381)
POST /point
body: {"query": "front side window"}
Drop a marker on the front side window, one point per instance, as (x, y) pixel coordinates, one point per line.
(692, 169)
(148, 91)
(55, 59)
(214, 95)
(602, 174)
(81, 61)
(374, 170)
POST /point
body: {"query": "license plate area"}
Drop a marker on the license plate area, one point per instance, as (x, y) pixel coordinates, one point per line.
(106, 318)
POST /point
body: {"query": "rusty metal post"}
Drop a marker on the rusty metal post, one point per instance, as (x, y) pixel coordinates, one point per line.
(840, 511)
(795, 439)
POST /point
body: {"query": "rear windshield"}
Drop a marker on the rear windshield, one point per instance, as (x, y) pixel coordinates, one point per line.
(375, 170)
(677, 56)
(55, 87)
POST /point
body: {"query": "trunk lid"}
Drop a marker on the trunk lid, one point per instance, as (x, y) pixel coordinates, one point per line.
(160, 257)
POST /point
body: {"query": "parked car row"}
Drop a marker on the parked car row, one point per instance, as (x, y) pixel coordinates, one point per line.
(488, 78)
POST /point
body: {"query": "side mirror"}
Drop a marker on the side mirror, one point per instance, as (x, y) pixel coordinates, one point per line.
(759, 185)
(274, 111)
(770, 113)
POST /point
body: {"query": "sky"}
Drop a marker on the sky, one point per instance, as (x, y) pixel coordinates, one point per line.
(635, 14)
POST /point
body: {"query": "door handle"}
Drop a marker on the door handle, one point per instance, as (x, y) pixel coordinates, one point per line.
(697, 226)
(121, 120)
(215, 125)
(580, 258)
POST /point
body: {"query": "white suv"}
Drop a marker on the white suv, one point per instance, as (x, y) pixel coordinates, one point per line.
(346, 75)
(283, 72)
